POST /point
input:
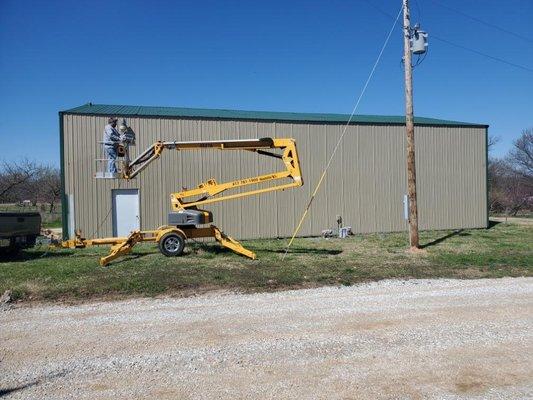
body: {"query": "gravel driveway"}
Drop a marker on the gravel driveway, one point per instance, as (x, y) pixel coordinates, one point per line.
(441, 339)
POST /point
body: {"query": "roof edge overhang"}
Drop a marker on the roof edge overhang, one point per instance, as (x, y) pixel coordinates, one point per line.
(270, 116)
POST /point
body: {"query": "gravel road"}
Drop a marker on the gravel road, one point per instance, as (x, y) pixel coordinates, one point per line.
(436, 339)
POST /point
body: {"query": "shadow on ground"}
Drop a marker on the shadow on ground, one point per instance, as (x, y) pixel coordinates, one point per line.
(292, 250)
(493, 223)
(5, 392)
(459, 232)
(22, 255)
(129, 257)
(14, 389)
(444, 238)
(222, 250)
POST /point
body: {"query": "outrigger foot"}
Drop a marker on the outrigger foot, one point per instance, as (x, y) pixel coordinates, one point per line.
(122, 248)
(232, 244)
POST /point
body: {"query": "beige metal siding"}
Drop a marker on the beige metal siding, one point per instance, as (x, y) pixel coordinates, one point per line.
(365, 184)
(451, 177)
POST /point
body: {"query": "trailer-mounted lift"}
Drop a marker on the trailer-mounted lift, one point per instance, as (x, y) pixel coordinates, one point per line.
(187, 220)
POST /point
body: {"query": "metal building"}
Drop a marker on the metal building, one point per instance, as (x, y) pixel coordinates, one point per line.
(366, 182)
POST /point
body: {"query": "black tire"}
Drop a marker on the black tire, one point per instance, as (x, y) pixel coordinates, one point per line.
(30, 241)
(172, 244)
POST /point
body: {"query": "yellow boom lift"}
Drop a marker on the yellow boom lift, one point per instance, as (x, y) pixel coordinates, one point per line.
(187, 220)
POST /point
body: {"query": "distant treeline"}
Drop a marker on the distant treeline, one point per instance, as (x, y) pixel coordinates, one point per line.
(28, 181)
(511, 177)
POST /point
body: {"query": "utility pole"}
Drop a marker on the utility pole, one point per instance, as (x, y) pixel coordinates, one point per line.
(410, 128)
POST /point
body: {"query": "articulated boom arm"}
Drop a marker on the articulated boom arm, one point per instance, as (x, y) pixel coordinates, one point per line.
(171, 239)
(205, 192)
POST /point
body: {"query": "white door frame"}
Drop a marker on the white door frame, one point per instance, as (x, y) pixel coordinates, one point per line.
(114, 207)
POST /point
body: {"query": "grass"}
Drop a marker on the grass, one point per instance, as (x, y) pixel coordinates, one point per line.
(523, 214)
(42, 274)
(56, 223)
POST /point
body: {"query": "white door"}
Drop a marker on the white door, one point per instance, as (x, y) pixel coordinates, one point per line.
(125, 211)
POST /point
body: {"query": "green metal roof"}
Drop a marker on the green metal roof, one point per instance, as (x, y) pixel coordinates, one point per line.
(151, 111)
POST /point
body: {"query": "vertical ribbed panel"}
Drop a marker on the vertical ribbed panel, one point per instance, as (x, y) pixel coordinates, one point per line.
(365, 184)
(451, 177)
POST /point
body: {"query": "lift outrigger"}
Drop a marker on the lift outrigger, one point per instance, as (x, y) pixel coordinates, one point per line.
(187, 220)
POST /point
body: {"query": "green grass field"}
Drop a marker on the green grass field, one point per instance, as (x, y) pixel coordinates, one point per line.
(42, 274)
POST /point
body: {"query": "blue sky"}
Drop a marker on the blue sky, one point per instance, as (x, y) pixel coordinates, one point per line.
(307, 56)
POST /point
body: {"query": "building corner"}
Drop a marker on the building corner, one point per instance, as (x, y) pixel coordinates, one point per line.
(64, 202)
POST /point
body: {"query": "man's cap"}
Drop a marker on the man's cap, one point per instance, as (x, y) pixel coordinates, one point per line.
(112, 119)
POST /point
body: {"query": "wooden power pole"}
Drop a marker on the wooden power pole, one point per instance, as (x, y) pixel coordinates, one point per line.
(410, 127)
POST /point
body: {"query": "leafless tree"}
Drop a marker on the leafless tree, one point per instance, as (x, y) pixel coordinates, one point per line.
(13, 175)
(27, 180)
(511, 190)
(48, 186)
(521, 156)
(492, 141)
(511, 178)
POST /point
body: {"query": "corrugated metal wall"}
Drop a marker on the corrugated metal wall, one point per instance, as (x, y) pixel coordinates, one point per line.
(365, 184)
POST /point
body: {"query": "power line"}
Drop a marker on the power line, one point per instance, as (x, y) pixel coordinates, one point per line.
(483, 22)
(371, 3)
(459, 45)
(418, 10)
(483, 54)
(310, 202)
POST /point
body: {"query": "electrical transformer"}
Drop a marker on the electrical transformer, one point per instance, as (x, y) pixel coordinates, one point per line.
(419, 41)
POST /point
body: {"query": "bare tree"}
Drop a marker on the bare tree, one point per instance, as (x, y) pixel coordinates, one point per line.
(521, 156)
(510, 189)
(496, 198)
(511, 178)
(49, 186)
(27, 180)
(492, 141)
(13, 175)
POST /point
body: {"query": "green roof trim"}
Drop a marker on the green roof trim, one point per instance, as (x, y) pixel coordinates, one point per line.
(204, 113)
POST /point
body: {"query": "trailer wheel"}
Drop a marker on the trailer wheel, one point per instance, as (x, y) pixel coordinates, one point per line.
(172, 244)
